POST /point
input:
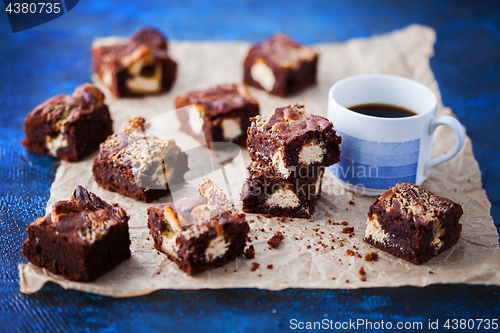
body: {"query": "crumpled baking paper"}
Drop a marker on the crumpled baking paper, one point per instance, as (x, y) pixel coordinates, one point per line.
(313, 253)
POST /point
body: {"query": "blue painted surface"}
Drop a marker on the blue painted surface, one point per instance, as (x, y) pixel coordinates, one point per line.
(54, 58)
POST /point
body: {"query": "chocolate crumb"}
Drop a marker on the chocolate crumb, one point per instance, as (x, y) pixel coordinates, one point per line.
(362, 271)
(258, 216)
(333, 278)
(269, 266)
(351, 202)
(226, 161)
(250, 252)
(349, 252)
(371, 256)
(268, 215)
(255, 266)
(431, 272)
(346, 281)
(147, 238)
(363, 278)
(347, 230)
(344, 223)
(276, 239)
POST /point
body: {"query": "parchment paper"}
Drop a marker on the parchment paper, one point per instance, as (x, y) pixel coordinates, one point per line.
(299, 261)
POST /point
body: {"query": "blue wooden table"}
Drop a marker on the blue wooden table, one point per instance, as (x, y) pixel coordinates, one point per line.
(54, 58)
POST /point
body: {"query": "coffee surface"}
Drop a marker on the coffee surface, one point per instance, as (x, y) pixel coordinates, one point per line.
(382, 110)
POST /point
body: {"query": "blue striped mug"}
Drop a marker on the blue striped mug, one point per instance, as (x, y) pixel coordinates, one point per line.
(378, 152)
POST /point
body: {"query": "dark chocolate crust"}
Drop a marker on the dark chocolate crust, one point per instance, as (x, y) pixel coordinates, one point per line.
(131, 171)
(289, 129)
(193, 223)
(294, 66)
(230, 101)
(418, 224)
(82, 239)
(262, 184)
(81, 120)
(111, 62)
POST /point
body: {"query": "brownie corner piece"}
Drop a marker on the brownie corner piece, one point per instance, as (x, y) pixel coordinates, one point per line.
(137, 66)
(290, 140)
(280, 66)
(220, 113)
(199, 233)
(68, 127)
(294, 197)
(138, 165)
(412, 223)
(81, 239)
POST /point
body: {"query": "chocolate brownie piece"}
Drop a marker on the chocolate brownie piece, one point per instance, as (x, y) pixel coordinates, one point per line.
(68, 127)
(140, 166)
(294, 197)
(199, 233)
(280, 65)
(224, 111)
(412, 223)
(290, 139)
(81, 239)
(136, 66)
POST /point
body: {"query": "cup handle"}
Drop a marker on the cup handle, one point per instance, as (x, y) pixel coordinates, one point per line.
(460, 135)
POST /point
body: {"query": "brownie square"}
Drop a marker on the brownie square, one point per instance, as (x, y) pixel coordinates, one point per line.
(137, 165)
(81, 239)
(290, 139)
(413, 224)
(225, 113)
(199, 233)
(136, 66)
(294, 197)
(280, 66)
(68, 127)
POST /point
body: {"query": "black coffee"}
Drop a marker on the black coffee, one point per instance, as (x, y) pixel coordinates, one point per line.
(382, 110)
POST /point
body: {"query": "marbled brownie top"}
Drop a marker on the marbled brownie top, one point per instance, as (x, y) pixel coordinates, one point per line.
(219, 99)
(133, 148)
(212, 203)
(126, 51)
(411, 201)
(283, 51)
(288, 123)
(84, 218)
(63, 109)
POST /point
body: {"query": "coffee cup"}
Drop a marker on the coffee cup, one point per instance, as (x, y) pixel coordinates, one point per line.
(378, 152)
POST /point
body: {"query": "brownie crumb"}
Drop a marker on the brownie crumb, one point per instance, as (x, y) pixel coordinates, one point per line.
(268, 215)
(276, 239)
(349, 252)
(363, 278)
(344, 223)
(346, 281)
(371, 256)
(431, 272)
(147, 238)
(351, 202)
(333, 278)
(255, 266)
(250, 252)
(362, 271)
(269, 266)
(347, 230)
